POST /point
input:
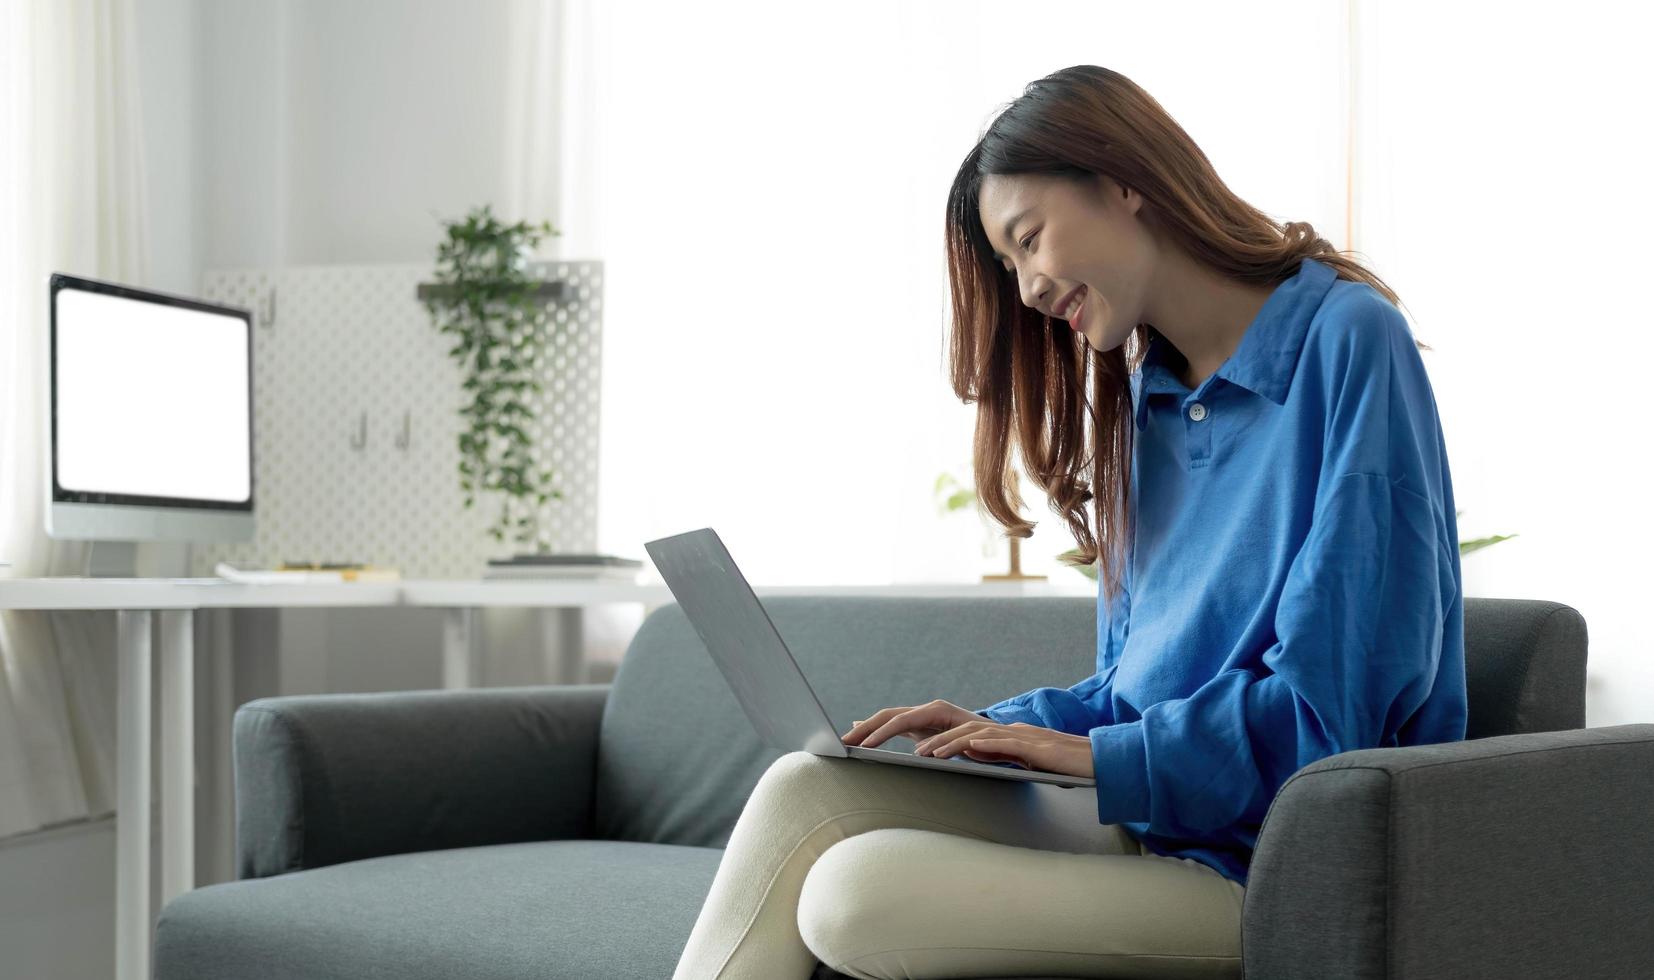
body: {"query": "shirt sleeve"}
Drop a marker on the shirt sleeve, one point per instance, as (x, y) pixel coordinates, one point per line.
(1078, 709)
(1359, 635)
(1075, 710)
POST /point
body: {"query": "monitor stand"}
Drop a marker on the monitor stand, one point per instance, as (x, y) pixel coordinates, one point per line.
(111, 559)
(123, 559)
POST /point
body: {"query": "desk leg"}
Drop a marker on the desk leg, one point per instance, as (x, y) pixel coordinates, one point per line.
(563, 642)
(132, 795)
(459, 655)
(177, 752)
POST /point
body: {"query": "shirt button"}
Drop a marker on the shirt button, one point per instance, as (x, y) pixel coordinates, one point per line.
(1197, 411)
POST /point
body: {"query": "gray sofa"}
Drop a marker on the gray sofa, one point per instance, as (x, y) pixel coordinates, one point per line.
(513, 833)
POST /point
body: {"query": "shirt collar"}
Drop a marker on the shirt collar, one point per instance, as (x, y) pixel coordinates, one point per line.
(1268, 352)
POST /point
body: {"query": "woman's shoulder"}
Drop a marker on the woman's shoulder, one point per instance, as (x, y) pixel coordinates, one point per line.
(1356, 325)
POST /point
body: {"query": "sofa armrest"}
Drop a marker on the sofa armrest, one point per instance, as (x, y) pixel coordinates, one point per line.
(321, 779)
(1511, 856)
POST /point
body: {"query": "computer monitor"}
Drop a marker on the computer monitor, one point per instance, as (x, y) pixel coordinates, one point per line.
(151, 416)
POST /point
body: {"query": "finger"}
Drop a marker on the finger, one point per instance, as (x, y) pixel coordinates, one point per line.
(859, 732)
(998, 750)
(956, 747)
(950, 738)
(903, 721)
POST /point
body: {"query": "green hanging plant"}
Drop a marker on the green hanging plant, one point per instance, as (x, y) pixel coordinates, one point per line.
(487, 299)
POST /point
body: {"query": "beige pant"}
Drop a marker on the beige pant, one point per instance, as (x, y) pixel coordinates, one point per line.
(886, 871)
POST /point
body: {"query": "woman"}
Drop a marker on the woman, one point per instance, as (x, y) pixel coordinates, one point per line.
(1278, 577)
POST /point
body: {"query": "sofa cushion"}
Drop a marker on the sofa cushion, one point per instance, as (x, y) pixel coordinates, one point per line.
(677, 757)
(504, 912)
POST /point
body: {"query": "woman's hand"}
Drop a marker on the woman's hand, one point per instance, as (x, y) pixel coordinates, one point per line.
(915, 722)
(1030, 746)
(947, 730)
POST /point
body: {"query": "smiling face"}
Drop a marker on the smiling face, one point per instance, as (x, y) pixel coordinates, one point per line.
(1059, 237)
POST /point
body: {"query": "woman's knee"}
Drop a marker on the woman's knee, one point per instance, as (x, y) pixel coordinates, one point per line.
(791, 775)
(857, 892)
(787, 768)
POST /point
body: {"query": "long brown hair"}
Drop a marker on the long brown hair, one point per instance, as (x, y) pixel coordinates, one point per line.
(1081, 122)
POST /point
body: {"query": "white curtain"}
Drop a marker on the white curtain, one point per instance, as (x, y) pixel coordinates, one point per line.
(554, 125)
(71, 200)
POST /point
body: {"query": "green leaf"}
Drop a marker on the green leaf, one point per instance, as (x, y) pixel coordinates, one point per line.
(1466, 547)
(1071, 558)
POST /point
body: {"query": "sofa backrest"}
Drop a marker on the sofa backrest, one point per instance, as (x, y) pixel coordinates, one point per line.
(677, 757)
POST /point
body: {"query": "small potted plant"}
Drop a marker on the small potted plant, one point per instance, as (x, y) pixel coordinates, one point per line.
(951, 495)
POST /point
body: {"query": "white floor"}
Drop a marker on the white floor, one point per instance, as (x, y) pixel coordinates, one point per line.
(57, 903)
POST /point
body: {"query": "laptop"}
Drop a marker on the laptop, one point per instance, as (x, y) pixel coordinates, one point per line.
(762, 672)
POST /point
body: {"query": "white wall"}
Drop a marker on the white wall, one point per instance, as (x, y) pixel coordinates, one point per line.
(241, 136)
(337, 132)
(169, 100)
(397, 119)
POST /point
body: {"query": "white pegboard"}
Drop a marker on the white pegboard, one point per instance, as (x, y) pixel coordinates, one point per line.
(333, 342)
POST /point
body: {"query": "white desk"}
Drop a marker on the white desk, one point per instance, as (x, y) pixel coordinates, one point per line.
(135, 601)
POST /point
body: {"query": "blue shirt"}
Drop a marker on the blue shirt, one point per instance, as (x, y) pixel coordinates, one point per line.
(1293, 586)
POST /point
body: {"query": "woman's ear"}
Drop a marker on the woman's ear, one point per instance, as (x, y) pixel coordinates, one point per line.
(1132, 200)
(1115, 193)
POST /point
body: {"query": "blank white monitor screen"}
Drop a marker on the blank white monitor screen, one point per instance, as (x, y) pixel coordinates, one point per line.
(151, 399)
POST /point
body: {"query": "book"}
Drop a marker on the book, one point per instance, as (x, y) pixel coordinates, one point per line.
(307, 573)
